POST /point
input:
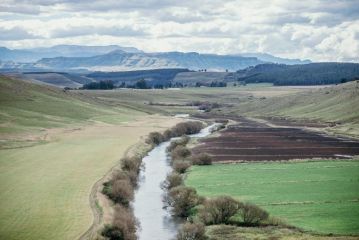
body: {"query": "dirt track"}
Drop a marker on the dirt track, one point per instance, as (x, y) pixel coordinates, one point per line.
(249, 140)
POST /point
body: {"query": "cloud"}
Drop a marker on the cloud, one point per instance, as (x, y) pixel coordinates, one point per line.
(321, 30)
(15, 33)
(98, 30)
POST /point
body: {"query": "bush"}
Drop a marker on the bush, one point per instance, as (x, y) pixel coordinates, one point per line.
(119, 191)
(155, 138)
(186, 128)
(191, 231)
(180, 152)
(202, 159)
(124, 224)
(131, 164)
(112, 233)
(252, 214)
(219, 210)
(172, 180)
(182, 199)
(180, 142)
(131, 176)
(223, 121)
(181, 166)
(168, 134)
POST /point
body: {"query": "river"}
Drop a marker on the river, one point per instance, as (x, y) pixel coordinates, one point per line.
(156, 223)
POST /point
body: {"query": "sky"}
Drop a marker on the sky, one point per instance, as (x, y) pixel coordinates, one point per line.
(319, 30)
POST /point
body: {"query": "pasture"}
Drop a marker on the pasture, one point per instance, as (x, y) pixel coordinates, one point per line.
(45, 188)
(317, 196)
(54, 145)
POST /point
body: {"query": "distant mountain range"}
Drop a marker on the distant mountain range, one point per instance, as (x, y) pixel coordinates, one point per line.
(265, 57)
(117, 58)
(35, 54)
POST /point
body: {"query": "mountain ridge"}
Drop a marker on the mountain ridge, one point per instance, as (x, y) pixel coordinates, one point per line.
(117, 58)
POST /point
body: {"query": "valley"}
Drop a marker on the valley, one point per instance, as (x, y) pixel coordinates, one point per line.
(179, 120)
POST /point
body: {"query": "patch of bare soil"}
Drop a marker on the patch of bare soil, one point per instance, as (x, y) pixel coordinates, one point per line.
(249, 140)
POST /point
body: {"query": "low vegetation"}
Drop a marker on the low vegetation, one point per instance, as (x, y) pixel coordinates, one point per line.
(180, 142)
(120, 189)
(180, 166)
(184, 128)
(252, 214)
(192, 231)
(182, 200)
(225, 232)
(173, 179)
(317, 196)
(123, 226)
(202, 159)
(219, 210)
(180, 152)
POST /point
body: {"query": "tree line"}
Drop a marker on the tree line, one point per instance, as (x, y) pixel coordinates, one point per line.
(143, 84)
(304, 74)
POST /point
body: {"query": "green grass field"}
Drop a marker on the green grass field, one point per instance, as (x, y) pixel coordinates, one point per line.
(318, 196)
(334, 104)
(139, 99)
(28, 108)
(54, 146)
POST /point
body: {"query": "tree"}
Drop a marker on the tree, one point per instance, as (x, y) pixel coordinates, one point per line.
(105, 85)
(252, 214)
(182, 199)
(141, 84)
(202, 159)
(155, 138)
(172, 180)
(219, 210)
(191, 231)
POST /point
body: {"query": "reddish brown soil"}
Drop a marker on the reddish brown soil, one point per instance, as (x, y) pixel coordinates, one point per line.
(252, 141)
(282, 121)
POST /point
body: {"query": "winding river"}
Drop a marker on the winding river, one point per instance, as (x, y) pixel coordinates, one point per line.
(156, 223)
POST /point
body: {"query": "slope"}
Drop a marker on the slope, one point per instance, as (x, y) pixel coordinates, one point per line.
(27, 108)
(337, 104)
(45, 188)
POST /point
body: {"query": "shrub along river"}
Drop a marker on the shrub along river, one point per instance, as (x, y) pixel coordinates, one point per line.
(156, 223)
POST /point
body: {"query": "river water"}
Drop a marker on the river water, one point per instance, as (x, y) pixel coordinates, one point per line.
(156, 223)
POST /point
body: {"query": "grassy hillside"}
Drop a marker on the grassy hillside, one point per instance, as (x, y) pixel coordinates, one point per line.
(153, 77)
(45, 188)
(318, 196)
(301, 74)
(337, 104)
(27, 108)
(191, 78)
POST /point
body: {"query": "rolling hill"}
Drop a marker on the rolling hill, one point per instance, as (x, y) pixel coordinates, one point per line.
(337, 105)
(304, 74)
(27, 107)
(191, 78)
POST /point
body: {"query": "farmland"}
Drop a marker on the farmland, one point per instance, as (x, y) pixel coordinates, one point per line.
(55, 146)
(249, 140)
(318, 196)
